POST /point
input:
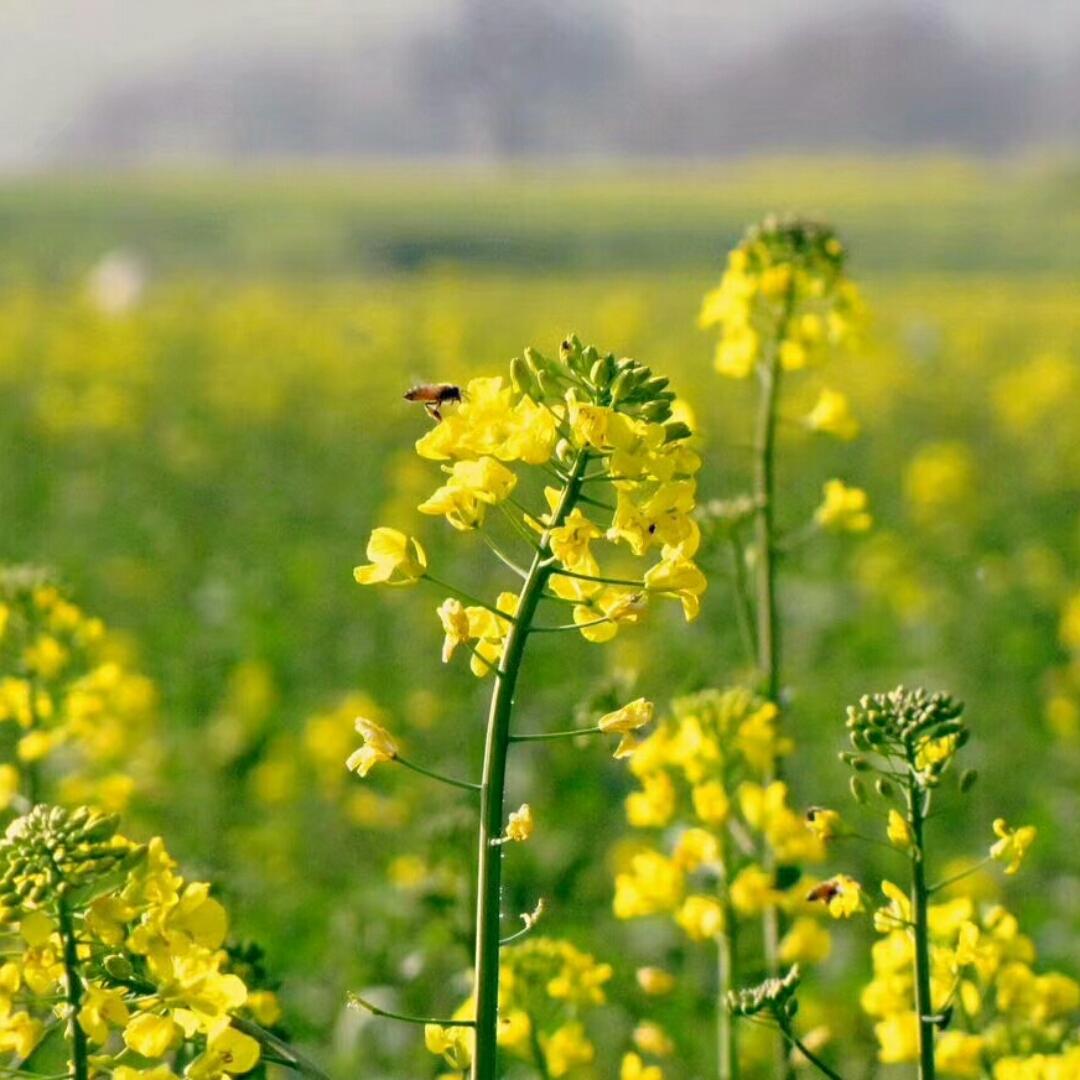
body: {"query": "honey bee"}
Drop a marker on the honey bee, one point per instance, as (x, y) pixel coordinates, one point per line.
(434, 396)
(826, 891)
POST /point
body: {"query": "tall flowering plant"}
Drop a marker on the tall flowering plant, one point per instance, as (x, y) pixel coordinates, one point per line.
(730, 848)
(619, 478)
(954, 988)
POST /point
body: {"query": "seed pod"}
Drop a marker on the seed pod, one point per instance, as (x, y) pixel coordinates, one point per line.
(119, 967)
(656, 411)
(858, 790)
(967, 780)
(884, 787)
(676, 430)
(521, 376)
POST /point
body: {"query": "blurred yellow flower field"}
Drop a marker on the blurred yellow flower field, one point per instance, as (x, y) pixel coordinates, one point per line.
(198, 452)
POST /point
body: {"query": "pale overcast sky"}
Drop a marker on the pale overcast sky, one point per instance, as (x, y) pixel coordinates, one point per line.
(55, 55)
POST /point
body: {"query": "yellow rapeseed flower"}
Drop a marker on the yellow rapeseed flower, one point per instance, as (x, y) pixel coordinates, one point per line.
(843, 508)
(396, 559)
(1013, 844)
(378, 746)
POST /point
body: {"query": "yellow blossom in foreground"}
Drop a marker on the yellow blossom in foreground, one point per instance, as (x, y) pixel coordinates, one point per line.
(681, 579)
(378, 746)
(625, 722)
(655, 981)
(396, 559)
(831, 415)
(1013, 844)
(152, 1036)
(454, 1044)
(472, 487)
(843, 508)
(960, 1054)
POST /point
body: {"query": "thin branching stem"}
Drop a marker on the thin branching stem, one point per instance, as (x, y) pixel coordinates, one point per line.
(359, 1002)
(466, 784)
(544, 736)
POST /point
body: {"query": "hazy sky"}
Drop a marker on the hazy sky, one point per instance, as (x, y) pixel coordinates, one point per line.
(57, 54)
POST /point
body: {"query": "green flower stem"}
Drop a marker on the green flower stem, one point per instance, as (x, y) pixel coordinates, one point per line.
(744, 614)
(563, 572)
(920, 902)
(80, 1056)
(519, 527)
(786, 1031)
(492, 788)
(468, 598)
(284, 1053)
(357, 1002)
(542, 736)
(539, 1057)
(727, 979)
(768, 622)
(502, 556)
(467, 785)
(568, 626)
(959, 877)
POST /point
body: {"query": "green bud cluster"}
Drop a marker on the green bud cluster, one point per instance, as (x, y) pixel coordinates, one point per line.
(51, 850)
(897, 725)
(623, 383)
(775, 996)
(810, 246)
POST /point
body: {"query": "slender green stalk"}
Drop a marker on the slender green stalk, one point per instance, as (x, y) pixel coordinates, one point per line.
(466, 784)
(768, 622)
(920, 903)
(786, 1031)
(285, 1054)
(362, 1003)
(543, 736)
(80, 1057)
(492, 789)
(539, 1057)
(727, 1029)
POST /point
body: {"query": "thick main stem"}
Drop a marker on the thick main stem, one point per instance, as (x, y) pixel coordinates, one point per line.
(492, 789)
(79, 1053)
(920, 903)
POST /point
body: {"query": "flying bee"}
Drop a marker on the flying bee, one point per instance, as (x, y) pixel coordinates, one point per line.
(434, 396)
(826, 891)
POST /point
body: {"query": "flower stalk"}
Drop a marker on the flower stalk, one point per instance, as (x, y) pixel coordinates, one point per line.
(493, 785)
(80, 1060)
(918, 801)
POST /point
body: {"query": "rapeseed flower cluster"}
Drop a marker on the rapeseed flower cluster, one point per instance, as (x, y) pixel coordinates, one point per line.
(591, 422)
(72, 712)
(954, 985)
(546, 989)
(1004, 1015)
(727, 839)
(786, 273)
(135, 953)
